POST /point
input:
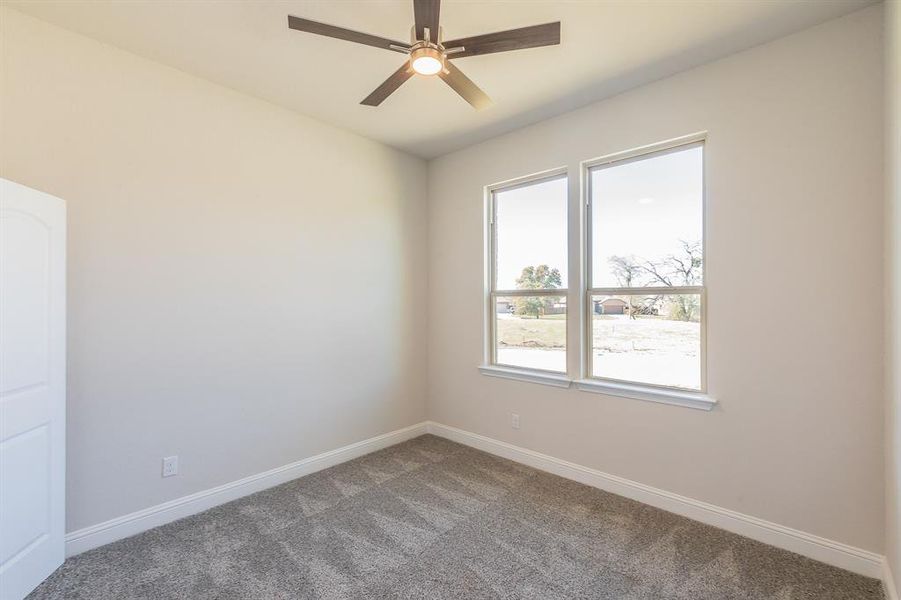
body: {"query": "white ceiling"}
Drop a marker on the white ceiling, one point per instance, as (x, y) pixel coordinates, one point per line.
(607, 46)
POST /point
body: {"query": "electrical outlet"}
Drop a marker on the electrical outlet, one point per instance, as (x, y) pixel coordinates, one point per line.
(170, 466)
(514, 421)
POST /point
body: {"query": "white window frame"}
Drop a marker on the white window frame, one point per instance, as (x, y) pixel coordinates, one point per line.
(633, 389)
(490, 365)
(579, 272)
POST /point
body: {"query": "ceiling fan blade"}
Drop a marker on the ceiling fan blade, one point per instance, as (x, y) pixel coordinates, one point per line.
(389, 86)
(464, 86)
(349, 35)
(547, 34)
(425, 13)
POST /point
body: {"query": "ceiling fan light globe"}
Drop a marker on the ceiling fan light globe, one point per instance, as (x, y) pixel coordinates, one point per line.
(426, 65)
(426, 61)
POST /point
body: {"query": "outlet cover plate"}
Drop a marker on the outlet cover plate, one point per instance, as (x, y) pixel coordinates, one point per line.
(170, 466)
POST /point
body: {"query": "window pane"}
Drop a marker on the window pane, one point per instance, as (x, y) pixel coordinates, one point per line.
(531, 332)
(531, 234)
(648, 339)
(646, 219)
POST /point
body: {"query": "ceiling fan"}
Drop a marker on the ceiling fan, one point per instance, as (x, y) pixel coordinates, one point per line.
(429, 54)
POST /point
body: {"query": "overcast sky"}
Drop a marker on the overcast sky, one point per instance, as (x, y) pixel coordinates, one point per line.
(645, 208)
(531, 230)
(641, 208)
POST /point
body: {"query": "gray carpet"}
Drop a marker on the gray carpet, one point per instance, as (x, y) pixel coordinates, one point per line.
(433, 519)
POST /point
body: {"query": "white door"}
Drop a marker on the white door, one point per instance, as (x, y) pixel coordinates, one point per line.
(32, 387)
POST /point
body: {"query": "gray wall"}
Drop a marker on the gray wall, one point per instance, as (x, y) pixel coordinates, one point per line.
(893, 287)
(247, 286)
(795, 210)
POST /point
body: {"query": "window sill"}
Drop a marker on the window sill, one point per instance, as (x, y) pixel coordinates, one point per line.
(651, 394)
(529, 376)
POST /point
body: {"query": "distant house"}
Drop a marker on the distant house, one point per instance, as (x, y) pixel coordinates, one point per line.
(557, 308)
(610, 306)
(504, 306)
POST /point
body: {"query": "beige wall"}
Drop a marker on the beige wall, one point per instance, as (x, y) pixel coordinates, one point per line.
(230, 264)
(893, 286)
(794, 161)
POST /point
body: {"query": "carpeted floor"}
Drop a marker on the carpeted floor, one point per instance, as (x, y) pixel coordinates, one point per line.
(433, 519)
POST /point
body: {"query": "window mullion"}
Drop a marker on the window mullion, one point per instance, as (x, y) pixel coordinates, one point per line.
(647, 291)
(535, 292)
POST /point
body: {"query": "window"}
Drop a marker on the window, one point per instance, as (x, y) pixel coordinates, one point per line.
(528, 274)
(645, 296)
(639, 298)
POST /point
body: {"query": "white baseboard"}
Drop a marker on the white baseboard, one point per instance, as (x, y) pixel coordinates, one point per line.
(815, 547)
(154, 516)
(888, 581)
(834, 553)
